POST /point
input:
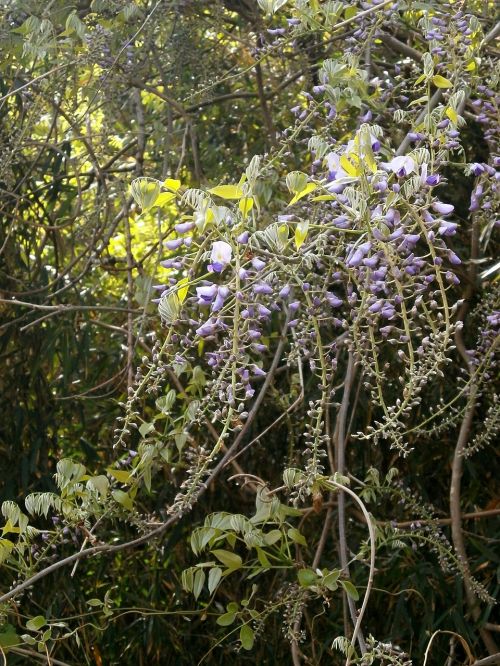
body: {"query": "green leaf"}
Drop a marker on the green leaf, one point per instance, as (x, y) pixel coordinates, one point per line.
(272, 537)
(420, 100)
(145, 192)
(440, 81)
(214, 577)
(296, 181)
(350, 589)
(121, 475)
(123, 498)
(187, 579)
(165, 402)
(262, 557)
(227, 191)
(350, 12)
(199, 581)
(99, 483)
(331, 580)
(145, 429)
(95, 603)
(228, 559)
(307, 577)
(247, 637)
(296, 536)
(226, 619)
(36, 623)
(26, 638)
(8, 637)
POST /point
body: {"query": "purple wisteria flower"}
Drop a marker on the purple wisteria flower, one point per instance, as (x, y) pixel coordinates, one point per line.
(220, 257)
(208, 328)
(174, 244)
(242, 239)
(442, 208)
(184, 227)
(206, 294)
(402, 165)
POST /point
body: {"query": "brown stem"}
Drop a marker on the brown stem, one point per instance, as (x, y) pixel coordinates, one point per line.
(340, 446)
(456, 517)
(488, 661)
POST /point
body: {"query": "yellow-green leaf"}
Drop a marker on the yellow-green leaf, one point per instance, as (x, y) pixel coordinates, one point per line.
(369, 157)
(183, 288)
(164, 198)
(452, 115)
(324, 197)
(440, 81)
(420, 79)
(121, 475)
(300, 233)
(310, 187)
(245, 205)
(9, 528)
(172, 184)
(283, 233)
(349, 167)
(227, 191)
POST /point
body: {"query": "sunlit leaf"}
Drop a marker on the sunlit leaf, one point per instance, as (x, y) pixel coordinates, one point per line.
(310, 187)
(164, 198)
(301, 233)
(182, 289)
(348, 166)
(227, 191)
(172, 184)
(245, 205)
(441, 82)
